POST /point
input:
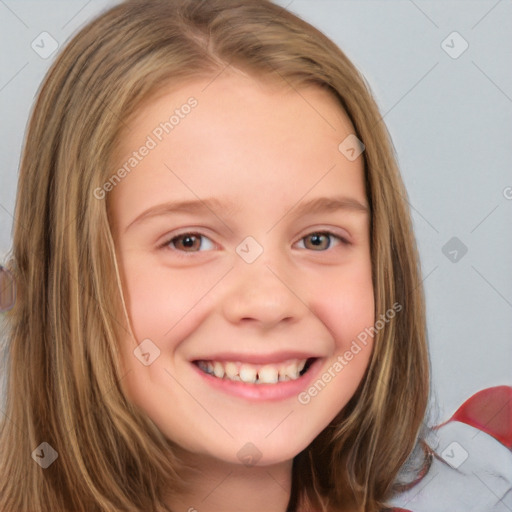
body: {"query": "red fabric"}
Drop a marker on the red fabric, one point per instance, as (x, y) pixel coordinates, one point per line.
(489, 410)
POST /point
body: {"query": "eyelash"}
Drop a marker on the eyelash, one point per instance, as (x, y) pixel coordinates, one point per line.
(167, 243)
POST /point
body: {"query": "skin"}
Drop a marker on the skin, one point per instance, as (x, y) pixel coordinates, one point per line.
(266, 148)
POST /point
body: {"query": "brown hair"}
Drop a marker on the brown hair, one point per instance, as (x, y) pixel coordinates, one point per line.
(63, 365)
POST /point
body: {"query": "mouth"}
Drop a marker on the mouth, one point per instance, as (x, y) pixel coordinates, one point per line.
(258, 374)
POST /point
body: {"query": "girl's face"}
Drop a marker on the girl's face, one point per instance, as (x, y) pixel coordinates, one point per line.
(242, 233)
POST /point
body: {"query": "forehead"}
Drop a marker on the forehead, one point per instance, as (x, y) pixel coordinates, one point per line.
(243, 138)
(234, 95)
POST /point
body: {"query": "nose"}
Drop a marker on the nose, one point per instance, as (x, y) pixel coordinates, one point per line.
(262, 293)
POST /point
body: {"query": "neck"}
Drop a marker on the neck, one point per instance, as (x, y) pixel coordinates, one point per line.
(215, 485)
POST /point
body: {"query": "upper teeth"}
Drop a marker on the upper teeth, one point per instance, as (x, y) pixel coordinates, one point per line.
(259, 374)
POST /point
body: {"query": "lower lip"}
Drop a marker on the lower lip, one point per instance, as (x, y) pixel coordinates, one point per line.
(263, 392)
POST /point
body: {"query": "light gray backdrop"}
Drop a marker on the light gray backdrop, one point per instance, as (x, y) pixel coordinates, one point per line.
(449, 111)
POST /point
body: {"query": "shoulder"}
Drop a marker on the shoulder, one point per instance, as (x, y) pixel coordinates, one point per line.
(472, 465)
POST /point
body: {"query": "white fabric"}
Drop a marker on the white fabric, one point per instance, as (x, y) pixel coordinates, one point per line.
(475, 474)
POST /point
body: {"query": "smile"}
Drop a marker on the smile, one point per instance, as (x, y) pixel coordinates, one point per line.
(236, 371)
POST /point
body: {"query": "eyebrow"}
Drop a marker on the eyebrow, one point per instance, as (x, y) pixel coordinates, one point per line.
(330, 204)
(317, 205)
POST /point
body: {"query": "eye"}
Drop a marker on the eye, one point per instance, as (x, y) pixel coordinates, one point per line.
(189, 242)
(320, 240)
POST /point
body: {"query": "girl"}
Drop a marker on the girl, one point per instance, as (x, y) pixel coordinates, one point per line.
(219, 303)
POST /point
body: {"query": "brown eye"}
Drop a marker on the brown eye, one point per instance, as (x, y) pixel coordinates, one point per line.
(187, 242)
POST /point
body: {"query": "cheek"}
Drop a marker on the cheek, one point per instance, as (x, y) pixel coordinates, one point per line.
(161, 300)
(164, 306)
(346, 306)
(346, 309)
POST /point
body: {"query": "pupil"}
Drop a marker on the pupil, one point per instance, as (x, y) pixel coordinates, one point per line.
(188, 241)
(319, 240)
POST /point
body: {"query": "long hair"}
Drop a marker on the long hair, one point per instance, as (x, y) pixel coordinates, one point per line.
(63, 369)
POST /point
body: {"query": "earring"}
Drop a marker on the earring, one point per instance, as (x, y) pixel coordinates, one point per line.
(7, 290)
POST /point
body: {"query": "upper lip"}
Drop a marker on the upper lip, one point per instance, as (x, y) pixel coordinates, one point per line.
(276, 357)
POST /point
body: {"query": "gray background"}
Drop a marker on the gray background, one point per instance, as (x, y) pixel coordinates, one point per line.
(450, 121)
